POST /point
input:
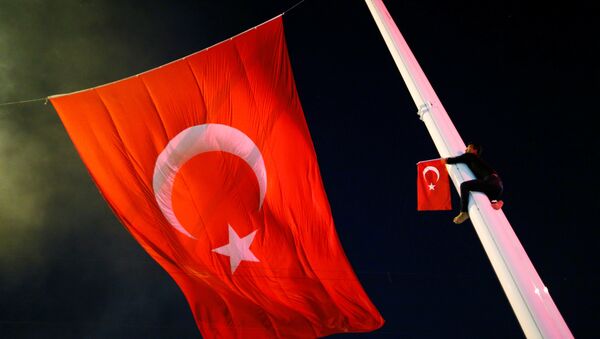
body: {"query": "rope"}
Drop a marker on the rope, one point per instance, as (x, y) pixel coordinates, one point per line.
(24, 101)
(294, 6)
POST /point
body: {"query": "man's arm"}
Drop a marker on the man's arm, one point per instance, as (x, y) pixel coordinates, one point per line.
(456, 160)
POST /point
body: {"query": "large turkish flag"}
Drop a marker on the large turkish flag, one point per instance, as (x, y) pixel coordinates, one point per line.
(208, 162)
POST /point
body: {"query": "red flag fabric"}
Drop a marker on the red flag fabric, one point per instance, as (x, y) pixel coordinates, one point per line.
(433, 186)
(209, 163)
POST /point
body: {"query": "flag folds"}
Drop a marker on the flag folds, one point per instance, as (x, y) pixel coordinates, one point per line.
(433, 186)
(209, 163)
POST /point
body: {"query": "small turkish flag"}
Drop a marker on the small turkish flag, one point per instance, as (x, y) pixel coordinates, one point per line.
(433, 186)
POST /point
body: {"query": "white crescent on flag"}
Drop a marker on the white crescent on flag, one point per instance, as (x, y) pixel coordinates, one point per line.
(434, 170)
(196, 140)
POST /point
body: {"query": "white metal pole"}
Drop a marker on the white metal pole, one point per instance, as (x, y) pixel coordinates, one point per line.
(534, 308)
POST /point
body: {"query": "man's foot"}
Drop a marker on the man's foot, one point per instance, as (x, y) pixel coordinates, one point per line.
(497, 204)
(461, 217)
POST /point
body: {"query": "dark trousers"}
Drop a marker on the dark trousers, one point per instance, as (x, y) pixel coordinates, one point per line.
(491, 186)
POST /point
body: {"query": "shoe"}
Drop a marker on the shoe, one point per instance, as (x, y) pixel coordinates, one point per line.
(497, 204)
(461, 217)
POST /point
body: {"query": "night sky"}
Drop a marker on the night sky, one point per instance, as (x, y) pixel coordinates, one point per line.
(522, 80)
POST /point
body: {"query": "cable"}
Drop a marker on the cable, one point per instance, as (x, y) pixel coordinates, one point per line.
(294, 6)
(24, 101)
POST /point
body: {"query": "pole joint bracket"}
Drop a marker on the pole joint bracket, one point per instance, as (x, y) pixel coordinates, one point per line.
(424, 108)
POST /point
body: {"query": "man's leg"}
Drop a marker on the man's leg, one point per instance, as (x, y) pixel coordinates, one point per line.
(494, 192)
(465, 188)
(490, 189)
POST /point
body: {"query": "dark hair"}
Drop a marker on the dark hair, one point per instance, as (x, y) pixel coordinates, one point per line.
(477, 147)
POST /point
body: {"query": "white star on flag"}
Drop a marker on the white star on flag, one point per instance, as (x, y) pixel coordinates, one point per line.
(431, 187)
(237, 249)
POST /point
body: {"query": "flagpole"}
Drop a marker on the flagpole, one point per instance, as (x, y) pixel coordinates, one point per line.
(532, 304)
